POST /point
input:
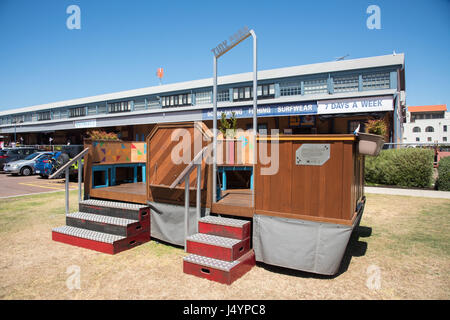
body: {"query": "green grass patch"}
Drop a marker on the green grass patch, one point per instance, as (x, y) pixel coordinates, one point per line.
(19, 211)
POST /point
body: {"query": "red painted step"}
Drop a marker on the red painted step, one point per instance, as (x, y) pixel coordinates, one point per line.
(218, 270)
(224, 227)
(216, 247)
(98, 241)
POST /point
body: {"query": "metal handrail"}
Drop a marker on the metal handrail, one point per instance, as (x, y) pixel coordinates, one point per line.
(65, 168)
(189, 168)
(195, 163)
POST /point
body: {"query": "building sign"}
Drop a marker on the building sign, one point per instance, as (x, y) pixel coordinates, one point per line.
(85, 124)
(232, 41)
(279, 110)
(369, 104)
(312, 154)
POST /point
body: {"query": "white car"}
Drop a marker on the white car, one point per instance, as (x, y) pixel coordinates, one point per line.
(25, 166)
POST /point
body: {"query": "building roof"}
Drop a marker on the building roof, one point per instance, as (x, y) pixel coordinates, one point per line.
(397, 59)
(433, 108)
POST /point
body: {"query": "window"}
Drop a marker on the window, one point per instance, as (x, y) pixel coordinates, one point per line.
(290, 89)
(315, 86)
(42, 116)
(203, 97)
(429, 129)
(445, 128)
(77, 112)
(173, 101)
(92, 110)
(417, 139)
(56, 114)
(265, 91)
(374, 81)
(123, 106)
(353, 124)
(18, 119)
(101, 109)
(444, 139)
(416, 129)
(429, 139)
(346, 83)
(223, 95)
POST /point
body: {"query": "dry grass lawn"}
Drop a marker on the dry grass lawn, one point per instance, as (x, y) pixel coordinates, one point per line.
(407, 238)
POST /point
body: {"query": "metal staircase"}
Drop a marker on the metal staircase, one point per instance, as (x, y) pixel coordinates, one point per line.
(104, 226)
(220, 251)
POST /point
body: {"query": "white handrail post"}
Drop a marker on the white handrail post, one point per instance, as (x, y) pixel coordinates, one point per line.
(255, 109)
(214, 180)
(80, 169)
(199, 192)
(67, 190)
(186, 210)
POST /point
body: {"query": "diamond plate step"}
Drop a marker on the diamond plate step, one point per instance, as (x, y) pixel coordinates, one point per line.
(115, 209)
(98, 241)
(218, 270)
(107, 224)
(217, 247)
(225, 227)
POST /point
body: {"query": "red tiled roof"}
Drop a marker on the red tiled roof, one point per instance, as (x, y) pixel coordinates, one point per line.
(439, 107)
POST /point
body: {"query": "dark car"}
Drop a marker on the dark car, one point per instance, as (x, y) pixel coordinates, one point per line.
(13, 154)
(48, 164)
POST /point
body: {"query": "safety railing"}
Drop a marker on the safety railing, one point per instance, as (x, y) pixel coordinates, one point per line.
(184, 175)
(65, 169)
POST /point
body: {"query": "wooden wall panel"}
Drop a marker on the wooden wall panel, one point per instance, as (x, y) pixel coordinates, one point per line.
(322, 193)
(162, 170)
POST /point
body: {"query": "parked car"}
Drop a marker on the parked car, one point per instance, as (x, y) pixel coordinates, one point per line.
(13, 154)
(25, 166)
(47, 165)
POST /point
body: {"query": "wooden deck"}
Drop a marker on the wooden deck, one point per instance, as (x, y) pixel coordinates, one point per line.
(234, 202)
(126, 192)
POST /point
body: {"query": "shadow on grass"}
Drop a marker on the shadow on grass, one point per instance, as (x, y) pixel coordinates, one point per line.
(355, 248)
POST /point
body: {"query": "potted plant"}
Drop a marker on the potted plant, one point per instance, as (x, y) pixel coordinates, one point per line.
(371, 142)
(228, 129)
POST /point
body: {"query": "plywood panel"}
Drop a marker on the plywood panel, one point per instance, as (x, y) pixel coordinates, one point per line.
(320, 192)
(163, 160)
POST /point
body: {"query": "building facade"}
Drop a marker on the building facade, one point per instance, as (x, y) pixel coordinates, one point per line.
(330, 97)
(429, 124)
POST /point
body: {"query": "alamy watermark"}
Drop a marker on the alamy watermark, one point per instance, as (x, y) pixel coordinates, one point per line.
(73, 281)
(374, 20)
(266, 149)
(74, 20)
(373, 281)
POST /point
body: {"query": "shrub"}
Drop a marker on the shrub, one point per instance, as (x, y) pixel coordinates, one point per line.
(102, 135)
(376, 127)
(412, 167)
(443, 182)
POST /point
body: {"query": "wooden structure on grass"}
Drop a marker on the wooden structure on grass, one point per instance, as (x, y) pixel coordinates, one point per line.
(302, 213)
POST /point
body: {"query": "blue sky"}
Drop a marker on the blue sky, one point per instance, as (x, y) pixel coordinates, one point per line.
(122, 43)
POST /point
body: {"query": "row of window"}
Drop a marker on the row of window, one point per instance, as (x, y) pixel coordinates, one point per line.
(429, 139)
(348, 83)
(429, 129)
(423, 116)
(177, 100)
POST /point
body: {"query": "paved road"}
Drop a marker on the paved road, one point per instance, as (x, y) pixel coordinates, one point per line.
(409, 192)
(11, 186)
